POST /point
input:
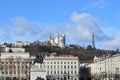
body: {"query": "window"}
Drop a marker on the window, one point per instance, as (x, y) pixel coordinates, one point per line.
(26, 66)
(65, 72)
(47, 62)
(14, 72)
(68, 62)
(61, 66)
(2, 72)
(54, 72)
(64, 62)
(74, 62)
(75, 72)
(58, 66)
(71, 72)
(61, 62)
(68, 67)
(10, 72)
(65, 67)
(2, 62)
(71, 62)
(57, 62)
(54, 62)
(71, 67)
(75, 67)
(68, 72)
(61, 72)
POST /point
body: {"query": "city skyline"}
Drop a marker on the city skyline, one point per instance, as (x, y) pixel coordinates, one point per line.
(31, 20)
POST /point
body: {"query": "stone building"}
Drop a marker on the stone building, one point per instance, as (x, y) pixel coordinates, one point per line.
(106, 66)
(57, 40)
(63, 67)
(14, 66)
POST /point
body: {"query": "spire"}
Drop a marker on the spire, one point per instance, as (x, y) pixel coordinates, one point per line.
(93, 41)
(57, 34)
(49, 38)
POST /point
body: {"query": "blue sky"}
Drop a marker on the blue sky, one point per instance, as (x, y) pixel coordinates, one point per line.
(30, 20)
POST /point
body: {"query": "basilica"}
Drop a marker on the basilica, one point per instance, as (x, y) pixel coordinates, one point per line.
(58, 40)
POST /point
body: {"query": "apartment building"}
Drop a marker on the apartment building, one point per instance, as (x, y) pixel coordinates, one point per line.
(14, 65)
(63, 67)
(106, 66)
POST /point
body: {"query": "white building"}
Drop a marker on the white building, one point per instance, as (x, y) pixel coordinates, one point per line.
(59, 68)
(21, 44)
(58, 40)
(38, 70)
(15, 65)
(8, 49)
(106, 66)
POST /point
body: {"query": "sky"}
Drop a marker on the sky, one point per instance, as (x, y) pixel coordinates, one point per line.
(31, 20)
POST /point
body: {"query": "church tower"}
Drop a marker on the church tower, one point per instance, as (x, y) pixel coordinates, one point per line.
(63, 35)
(49, 39)
(57, 38)
(93, 41)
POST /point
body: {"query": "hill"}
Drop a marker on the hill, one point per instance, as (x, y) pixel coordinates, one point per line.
(83, 54)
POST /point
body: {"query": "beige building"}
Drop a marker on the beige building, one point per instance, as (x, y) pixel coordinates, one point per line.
(38, 70)
(64, 67)
(14, 66)
(57, 40)
(106, 66)
(21, 44)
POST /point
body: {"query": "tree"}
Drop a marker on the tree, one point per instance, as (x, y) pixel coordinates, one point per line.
(89, 47)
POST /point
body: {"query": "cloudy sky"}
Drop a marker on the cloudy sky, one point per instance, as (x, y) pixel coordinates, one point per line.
(31, 20)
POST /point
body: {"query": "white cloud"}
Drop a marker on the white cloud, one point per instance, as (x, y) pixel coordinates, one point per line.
(112, 44)
(96, 4)
(83, 26)
(22, 29)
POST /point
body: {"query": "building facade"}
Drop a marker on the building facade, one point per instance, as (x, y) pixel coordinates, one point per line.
(14, 66)
(106, 66)
(38, 70)
(21, 44)
(58, 40)
(60, 68)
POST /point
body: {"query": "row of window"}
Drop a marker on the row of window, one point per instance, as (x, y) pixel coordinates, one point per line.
(61, 62)
(14, 62)
(65, 67)
(14, 72)
(11, 78)
(61, 72)
(4, 67)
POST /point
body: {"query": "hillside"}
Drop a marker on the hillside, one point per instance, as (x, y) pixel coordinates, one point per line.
(83, 54)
